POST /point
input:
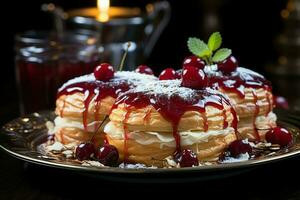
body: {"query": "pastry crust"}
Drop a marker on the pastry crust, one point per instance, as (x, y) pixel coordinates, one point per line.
(149, 119)
(245, 106)
(72, 107)
(69, 135)
(155, 154)
(263, 123)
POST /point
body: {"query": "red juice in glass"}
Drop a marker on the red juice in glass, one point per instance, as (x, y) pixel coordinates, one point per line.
(44, 63)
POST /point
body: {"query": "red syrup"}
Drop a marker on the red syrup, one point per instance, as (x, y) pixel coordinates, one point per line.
(238, 80)
(96, 110)
(205, 122)
(225, 123)
(256, 112)
(171, 108)
(94, 89)
(269, 104)
(234, 123)
(62, 110)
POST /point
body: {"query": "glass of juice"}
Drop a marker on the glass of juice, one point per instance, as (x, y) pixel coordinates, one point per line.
(44, 61)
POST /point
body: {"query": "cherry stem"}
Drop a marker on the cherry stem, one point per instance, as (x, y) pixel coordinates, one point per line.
(124, 56)
(98, 128)
(206, 59)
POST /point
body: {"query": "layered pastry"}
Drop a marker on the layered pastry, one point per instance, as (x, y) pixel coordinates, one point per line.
(84, 102)
(251, 96)
(152, 121)
(210, 107)
(249, 92)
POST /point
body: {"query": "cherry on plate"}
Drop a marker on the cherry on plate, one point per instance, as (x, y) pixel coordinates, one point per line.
(186, 158)
(238, 147)
(281, 102)
(107, 155)
(85, 151)
(279, 135)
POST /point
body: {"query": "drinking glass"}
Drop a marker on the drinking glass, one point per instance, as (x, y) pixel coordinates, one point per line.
(45, 60)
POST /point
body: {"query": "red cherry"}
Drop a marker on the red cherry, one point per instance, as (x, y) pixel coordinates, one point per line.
(186, 158)
(85, 151)
(144, 69)
(168, 74)
(193, 61)
(108, 155)
(281, 102)
(228, 65)
(279, 136)
(193, 77)
(104, 72)
(238, 147)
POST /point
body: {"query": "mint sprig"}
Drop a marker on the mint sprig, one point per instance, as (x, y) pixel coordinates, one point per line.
(214, 41)
(221, 55)
(198, 47)
(206, 51)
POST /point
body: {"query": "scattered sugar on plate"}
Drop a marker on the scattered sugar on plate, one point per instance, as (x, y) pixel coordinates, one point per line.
(56, 147)
(241, 158)
(92, 163)
(68, 153)
(136, 166)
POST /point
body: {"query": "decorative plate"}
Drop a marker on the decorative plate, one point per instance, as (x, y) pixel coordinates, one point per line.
(24, 136)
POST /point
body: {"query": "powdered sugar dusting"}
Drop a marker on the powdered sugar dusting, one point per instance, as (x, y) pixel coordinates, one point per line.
(79, 79)
(169, 88)
(130, 77)
(134, 77)
(165, 87)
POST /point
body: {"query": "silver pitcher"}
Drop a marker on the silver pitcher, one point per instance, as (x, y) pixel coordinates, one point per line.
(142, 31)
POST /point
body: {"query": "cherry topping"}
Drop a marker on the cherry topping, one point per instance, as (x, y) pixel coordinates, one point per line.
(85, 151)
(108, 155)
(238, 147)
(193, 77)
(186, 158)
(281, 102)
(144, 69)
(104, 72)
(228, 65)
(193, 61)
(279, 136)
(168, 74)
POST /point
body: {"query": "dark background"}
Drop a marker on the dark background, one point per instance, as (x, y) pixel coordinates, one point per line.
(248, 28)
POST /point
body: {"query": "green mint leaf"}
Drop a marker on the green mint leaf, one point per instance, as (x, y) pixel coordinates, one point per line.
(198, 47)
(221, 55)
(214, 41)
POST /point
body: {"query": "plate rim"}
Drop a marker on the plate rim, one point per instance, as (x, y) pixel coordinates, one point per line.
(118, 170)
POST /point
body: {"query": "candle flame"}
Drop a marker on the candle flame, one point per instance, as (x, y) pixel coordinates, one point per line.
(103, 8)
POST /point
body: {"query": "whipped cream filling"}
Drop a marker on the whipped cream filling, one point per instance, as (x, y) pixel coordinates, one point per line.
(261, 121)
(69, 123)
(116, 131)
(262, 118)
